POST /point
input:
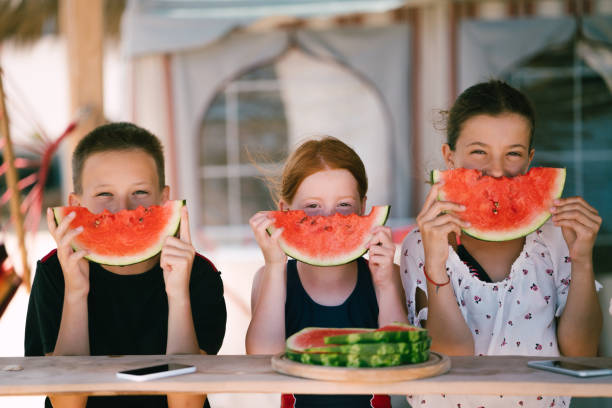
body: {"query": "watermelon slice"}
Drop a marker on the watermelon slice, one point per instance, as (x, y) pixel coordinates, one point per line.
(398, 332)
(125, 237)
(310, 337)
(504, 208)
(326, 240)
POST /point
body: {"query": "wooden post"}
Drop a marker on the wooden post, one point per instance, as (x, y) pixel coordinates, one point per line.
(82, 23)
(11, 182)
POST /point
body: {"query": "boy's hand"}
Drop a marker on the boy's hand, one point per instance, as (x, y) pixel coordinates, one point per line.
(177, 259)
(580, 224)
(272, 252)
(382, 251)
(74, 267)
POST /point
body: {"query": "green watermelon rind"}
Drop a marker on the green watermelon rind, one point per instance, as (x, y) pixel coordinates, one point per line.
(374, 348)
(171, 229)
(405, 336)
(381, 213)
(515, 233)
(358, 360)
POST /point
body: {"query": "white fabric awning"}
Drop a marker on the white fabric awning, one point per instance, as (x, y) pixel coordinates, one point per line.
(161, 26)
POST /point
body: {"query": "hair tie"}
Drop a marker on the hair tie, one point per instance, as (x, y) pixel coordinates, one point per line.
(436, 284)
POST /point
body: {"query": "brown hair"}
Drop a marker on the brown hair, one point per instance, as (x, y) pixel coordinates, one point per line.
(116, 137)
(493, 98)
(316, 155)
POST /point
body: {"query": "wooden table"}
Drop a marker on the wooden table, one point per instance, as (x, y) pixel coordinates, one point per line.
(507, 375)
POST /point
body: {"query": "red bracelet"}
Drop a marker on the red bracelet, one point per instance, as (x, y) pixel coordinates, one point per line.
(436, 284)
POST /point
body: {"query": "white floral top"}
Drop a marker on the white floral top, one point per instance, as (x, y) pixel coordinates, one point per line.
(516, 316)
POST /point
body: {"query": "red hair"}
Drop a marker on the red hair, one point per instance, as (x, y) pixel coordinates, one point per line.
(312, 156)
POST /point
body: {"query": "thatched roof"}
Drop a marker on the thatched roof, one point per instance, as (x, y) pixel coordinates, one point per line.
(25, 21)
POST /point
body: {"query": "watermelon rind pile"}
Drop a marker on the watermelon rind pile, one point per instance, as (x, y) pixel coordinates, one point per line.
(501, 208)
(389, 346)
(331, 240)
(126, 237)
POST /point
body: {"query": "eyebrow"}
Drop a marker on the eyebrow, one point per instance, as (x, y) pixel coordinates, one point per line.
(140, 183)
(485, 145)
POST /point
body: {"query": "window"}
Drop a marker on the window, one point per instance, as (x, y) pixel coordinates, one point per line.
(245, 123)
(573, 123)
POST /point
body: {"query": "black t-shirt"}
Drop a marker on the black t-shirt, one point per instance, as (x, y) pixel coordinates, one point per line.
(128, 314)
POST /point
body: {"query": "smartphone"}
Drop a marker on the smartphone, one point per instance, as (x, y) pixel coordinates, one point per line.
(158, 371)
(570, 368)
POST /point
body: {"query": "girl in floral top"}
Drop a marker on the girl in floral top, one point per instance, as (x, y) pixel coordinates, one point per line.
(534, 295)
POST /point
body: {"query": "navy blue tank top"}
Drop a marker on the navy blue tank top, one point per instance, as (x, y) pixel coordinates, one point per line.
(360, 309)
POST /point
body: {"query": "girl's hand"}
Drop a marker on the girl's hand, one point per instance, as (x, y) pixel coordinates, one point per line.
(436, 220)
(74, 266)
(176, 260)
(272, 252)
(579, 223)
(382, 251)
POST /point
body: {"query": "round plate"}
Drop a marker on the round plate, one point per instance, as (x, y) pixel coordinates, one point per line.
(437, 364)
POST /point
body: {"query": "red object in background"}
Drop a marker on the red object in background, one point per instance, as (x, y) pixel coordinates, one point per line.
(399, 233)
(9, 280)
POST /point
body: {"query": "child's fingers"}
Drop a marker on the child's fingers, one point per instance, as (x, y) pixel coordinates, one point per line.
(446, 218)
(440, 207)
(378, 250)
(258, 219)
(75, 257)
(51, 221)
(178, 251)
(69, 236)
(276, 234)
(579, 228)
(381, 235)
(63, 226)
(177, 243)
(185, 233)
(432, 196)
(577, 199)
(577, 216)
(578, 208)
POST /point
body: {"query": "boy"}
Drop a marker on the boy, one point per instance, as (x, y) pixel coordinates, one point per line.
(169, 304)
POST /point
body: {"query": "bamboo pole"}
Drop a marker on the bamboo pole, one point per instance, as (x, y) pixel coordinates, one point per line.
(11, 181)
(82, 24)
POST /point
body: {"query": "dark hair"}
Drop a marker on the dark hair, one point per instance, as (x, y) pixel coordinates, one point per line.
(114, 137)
(487, 98)
(316, 155)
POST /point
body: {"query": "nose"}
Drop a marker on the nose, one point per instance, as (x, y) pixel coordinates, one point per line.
(123, 203)
(495, 168)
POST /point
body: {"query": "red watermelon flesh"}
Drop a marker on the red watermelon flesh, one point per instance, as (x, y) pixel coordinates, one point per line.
(502, 208)
(125, 237)
(315, 337)
(326, 240)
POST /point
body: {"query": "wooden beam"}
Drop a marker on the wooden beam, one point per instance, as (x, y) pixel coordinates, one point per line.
(11, 182)
(82, 24)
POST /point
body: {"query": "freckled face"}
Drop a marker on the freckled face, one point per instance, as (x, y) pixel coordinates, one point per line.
(497, 145)
(120, 179)
(326, 192)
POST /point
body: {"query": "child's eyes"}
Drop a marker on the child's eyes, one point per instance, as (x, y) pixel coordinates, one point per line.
(104, 194)
(141, 192)
(313, 205)
(516, 154)
(344, 205)
(477, 152)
